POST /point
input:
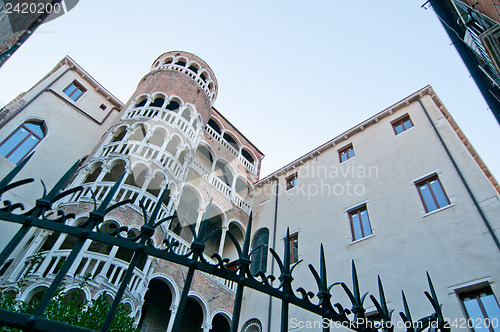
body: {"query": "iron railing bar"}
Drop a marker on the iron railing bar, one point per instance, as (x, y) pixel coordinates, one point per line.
(36, 324)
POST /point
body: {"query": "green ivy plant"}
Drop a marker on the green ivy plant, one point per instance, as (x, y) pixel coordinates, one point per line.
(87, 314)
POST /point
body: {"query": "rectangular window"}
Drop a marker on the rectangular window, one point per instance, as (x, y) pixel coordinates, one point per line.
(346, 153)
(294, 248)
(360, 223)
(75, 90)
(402, 124)
(432, 193)
(102, 107)
(291, 181)
(481, 307)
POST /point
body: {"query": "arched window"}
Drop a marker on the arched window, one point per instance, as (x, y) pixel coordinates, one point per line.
(259, 256)
(22, 141)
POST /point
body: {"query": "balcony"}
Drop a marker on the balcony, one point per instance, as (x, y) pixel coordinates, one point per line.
(215, 135)
(171, 117)
(222, 187)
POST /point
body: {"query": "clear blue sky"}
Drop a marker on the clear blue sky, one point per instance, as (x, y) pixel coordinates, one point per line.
(292, 74)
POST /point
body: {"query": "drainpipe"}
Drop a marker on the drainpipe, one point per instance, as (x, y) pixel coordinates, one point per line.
(274, 246)
(32, 99)
(462, 178)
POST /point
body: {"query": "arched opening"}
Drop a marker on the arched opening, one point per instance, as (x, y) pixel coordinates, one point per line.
(223, 172)
(186, 114)
(215, 221)
(173, 106)
(259, 256)
(158, 137)
(168, 61)
(203, 76)
(181, 62)
(220, 324)
(172, 145)
(229, 247)
(138, 134)
(138, 175)
(193, 67)
(76, 296)
(182, 157)
(214, 126)
(187, 214)
(36, 294)
(119, 134)
(91, 177)
(247, 155)
(141, 103)
(231, 141)
(115, 172)
(241, 187)
(192, 317)
(204, 157)
(155, 314)
(158, 102)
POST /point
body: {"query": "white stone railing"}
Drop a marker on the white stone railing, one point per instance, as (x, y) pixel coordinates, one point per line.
(248, 165)
(124, 192)
(171, 117)
(222, 187)
(110, 269)
(147, 151)
(193, 75)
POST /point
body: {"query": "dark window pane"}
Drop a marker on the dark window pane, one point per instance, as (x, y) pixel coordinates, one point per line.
(350, 153)
(427, 196)
(438, 193)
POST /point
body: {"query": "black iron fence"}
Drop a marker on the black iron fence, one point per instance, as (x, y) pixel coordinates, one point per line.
(319, 302)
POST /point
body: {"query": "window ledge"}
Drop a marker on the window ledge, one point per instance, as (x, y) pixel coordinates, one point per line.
(362, 239)
(438, 210)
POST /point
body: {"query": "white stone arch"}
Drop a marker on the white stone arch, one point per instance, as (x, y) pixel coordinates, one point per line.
(177, 99)
(233, 171)
(32, 290)
(246, 182)
(233, 136)
(238, 223)
(131, 304)
(199, 196)
(77, 220)
(169, 281)
(222, 312)
(136, 163)
(104, 291)
(204, 306)
(181, 58)
(250, 152)
(206, 74)
(159, 94)
(116, 131)
(137, 124)
(138, 99)
(218, 122)
(196, 64)
(156, 130)
(86, 291)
